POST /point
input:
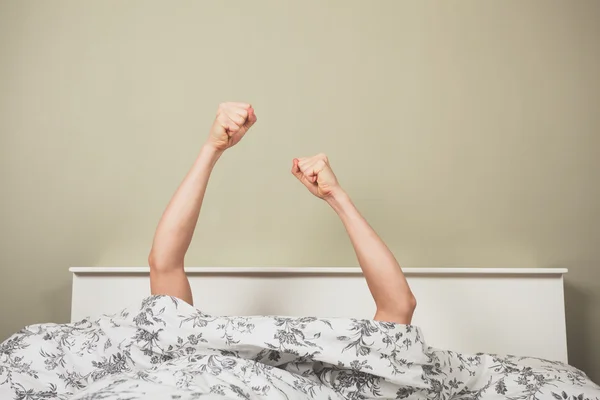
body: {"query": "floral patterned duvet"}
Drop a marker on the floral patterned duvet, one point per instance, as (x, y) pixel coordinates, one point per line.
(167, 349)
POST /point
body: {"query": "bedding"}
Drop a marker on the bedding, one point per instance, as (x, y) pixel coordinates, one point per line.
(164, 348)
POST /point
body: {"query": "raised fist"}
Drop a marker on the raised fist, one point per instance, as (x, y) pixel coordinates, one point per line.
(316, 174)
(231, 124)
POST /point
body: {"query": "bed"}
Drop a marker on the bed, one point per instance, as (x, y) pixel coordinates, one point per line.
(300, 333)
(465, 309)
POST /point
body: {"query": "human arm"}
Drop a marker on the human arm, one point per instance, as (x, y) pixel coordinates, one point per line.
(178, 222)
(394, 300)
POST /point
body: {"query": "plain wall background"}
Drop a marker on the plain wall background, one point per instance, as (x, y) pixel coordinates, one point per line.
(466, 132)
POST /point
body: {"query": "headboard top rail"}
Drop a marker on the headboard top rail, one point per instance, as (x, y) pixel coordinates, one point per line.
(324, 270)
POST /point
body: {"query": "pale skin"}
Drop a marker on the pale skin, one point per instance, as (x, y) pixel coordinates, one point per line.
(393, 298)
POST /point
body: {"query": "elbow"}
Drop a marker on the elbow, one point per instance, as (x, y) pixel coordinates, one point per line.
(401, 312)
(160, 263)
(411, 305)
(407, 308)
(152, 261)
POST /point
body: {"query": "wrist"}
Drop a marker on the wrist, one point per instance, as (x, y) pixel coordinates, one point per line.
(210, 151)
(338, 198)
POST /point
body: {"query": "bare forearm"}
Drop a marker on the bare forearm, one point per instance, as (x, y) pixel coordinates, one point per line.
(382, 272)
(176, 227)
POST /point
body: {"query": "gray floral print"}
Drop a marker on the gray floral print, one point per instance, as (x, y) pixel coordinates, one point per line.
(164, 348)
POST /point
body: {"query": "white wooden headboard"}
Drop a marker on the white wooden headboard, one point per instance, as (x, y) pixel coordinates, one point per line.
(506, 311)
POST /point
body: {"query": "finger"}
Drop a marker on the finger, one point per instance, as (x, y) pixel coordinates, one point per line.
(237, 118)
(251, 118)
(240, 108)
(239, 111)
(316, 168)
(231, 126)
(231, 108)
(303, 163)
(238, 105)
(301, 172)
(248, 116)
(311, 165)
(300, 176)
(295, 169)
(307, 170)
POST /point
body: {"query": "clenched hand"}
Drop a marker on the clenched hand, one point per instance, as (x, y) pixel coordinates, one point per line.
(315, 173)
(231, 124)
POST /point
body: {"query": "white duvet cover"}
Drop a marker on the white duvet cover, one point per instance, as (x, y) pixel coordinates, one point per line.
(167, 349)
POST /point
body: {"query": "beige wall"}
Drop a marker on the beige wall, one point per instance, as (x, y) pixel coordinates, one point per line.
(467, 132)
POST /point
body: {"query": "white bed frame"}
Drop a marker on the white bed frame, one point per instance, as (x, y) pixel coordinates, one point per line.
(506, 311)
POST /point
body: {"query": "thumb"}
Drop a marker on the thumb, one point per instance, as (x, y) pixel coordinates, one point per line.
(251, 119)
(300, 175)
(296, 169)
